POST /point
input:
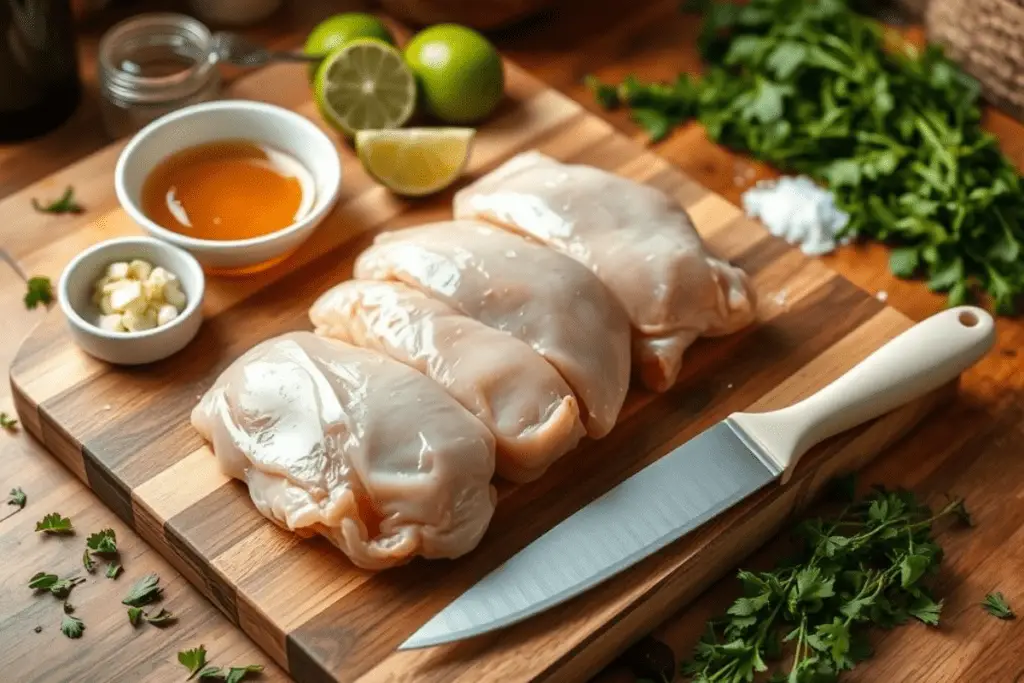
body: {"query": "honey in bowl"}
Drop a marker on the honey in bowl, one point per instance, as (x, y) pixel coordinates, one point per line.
(227, 190)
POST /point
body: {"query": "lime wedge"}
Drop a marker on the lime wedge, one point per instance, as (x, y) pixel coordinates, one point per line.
(365, 84)
(415, 161)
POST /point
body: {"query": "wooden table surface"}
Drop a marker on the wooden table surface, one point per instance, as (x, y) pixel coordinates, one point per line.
(970, 447)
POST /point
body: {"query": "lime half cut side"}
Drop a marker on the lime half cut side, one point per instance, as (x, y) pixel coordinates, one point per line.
(365, 85)
(414, 162)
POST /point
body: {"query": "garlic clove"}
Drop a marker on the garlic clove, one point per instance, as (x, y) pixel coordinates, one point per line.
(117, 271)
(111, 323)
(127, 296)
(166, 314)
(174, 296)
(139, 269)
(137, 322)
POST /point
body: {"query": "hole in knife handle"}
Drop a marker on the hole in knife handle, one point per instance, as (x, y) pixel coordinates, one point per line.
(968, 319)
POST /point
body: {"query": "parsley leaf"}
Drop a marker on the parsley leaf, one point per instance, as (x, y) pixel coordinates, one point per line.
(66, 204)
(134, 615)
(237, 673)
(42, 581)
(17, 497)
(996, 605)
(161, 618)
(193, 660)
(7, 422)
(87, 562)
(865, 567)
(62, 588)
(71, 626)
(114, 570)
(40, 291)
(144, 591)
(102, 542)
(53, 523)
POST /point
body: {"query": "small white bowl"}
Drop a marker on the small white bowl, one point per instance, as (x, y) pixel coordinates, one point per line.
(74, 292)
(223, 120)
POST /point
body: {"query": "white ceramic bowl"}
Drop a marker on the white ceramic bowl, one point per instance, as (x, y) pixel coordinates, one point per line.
(74, 292)
(232, 119)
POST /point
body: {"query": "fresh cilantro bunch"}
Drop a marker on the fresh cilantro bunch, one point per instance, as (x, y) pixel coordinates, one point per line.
(811, 86)
(865, 567)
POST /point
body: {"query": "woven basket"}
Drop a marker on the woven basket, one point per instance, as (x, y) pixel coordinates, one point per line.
(478, 14)
(986, 37)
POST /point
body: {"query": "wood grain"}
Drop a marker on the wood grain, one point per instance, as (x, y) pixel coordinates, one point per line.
(318, 616)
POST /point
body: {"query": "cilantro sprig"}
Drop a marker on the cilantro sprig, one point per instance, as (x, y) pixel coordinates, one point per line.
(54, 523)
(65, 204)
(810, 87)
(996, 605)
(195, 661)
(866, 567)
(39, 291)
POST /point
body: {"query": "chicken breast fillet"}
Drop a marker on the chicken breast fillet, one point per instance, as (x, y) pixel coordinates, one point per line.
(535, 294)
(635, 238)
(526, 404)
(342, 441)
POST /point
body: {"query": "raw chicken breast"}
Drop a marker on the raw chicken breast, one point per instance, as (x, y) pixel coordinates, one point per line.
(535, 294)
(522, 399)
(341, 441)
(634, 237)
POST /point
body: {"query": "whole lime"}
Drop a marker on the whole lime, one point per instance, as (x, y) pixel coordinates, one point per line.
(341, 29)
(459, 72)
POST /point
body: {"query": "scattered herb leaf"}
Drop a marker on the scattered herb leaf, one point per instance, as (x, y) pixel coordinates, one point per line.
(114, 570)
(66, 204)
(996, 605)
(211, 672)
(40, 291)
(68, 607)
(17, 497)
(53, 523)
(237, 673)
(161, 618)
(71, 626)
(87, 562)
(9, 423)
(102, 542)
(42, 581)
(193, 660)
(867, 566)
(62, 588)
(134, 614)
(143, 591)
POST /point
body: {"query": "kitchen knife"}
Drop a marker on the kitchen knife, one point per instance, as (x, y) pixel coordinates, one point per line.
(708, 474)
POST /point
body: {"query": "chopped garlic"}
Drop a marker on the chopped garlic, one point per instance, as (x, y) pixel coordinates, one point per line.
(135, 296)
(136, 322)
(111, 323)
(166, 314)
(139, 269)
(127, 296)
(174, 296)
(117, 271)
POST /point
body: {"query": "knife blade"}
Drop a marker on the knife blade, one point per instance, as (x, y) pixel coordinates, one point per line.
(705, 476)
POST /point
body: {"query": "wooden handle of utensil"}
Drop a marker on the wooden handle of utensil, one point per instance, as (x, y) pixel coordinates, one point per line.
(916, 362)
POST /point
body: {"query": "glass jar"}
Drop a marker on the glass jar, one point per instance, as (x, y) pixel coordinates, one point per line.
(151, 65)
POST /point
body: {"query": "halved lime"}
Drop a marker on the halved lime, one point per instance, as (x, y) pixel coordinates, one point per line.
(365, 85)
(415, 161)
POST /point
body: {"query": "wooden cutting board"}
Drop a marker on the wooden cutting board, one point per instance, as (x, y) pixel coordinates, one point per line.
(125, 431)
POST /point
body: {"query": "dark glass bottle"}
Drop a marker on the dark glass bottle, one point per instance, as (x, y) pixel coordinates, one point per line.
(39, 83)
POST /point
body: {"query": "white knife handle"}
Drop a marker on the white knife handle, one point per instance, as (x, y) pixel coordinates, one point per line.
(928, 355)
